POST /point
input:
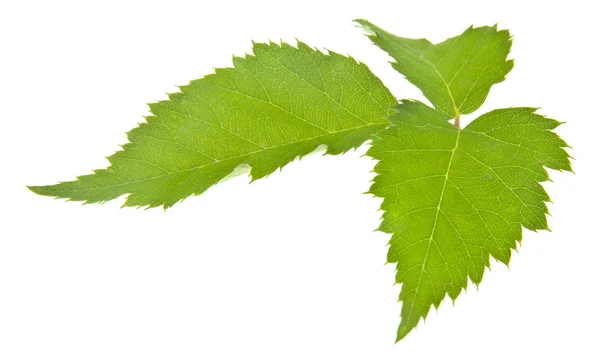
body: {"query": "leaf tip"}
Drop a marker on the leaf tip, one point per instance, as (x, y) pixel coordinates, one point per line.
(403, 330)
(361, 22)
(40, 190)
(43, 190)
(369, 28)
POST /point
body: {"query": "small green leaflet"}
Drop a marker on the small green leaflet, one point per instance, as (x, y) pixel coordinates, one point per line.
(272, 107)
(452, 197)
(455, 75)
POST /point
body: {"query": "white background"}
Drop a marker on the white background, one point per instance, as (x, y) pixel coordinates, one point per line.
(288, 267)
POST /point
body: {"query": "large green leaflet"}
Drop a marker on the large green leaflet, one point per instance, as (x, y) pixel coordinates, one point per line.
(272, 107)
(454, 197)
(455, 75)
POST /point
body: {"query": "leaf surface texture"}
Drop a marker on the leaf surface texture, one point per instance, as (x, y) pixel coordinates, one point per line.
(280, 103)
(453, 197)
(455, 75)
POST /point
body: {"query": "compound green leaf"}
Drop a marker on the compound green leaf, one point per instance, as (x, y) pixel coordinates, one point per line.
(453, 197)
(455, 75)
(272, 107)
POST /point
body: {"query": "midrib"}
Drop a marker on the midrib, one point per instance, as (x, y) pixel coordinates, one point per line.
(437, 215)
(226, 159)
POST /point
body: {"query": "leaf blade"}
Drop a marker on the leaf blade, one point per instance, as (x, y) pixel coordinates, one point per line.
(273, 106)
(453, 198)
(455, 75)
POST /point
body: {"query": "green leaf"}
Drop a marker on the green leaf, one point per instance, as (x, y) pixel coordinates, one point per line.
(454, 197)
(455, 75)
(272, 107)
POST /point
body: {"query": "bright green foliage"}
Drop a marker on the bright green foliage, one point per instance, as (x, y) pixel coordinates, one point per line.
(272, 107)
(454, 197)
(455, 75)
